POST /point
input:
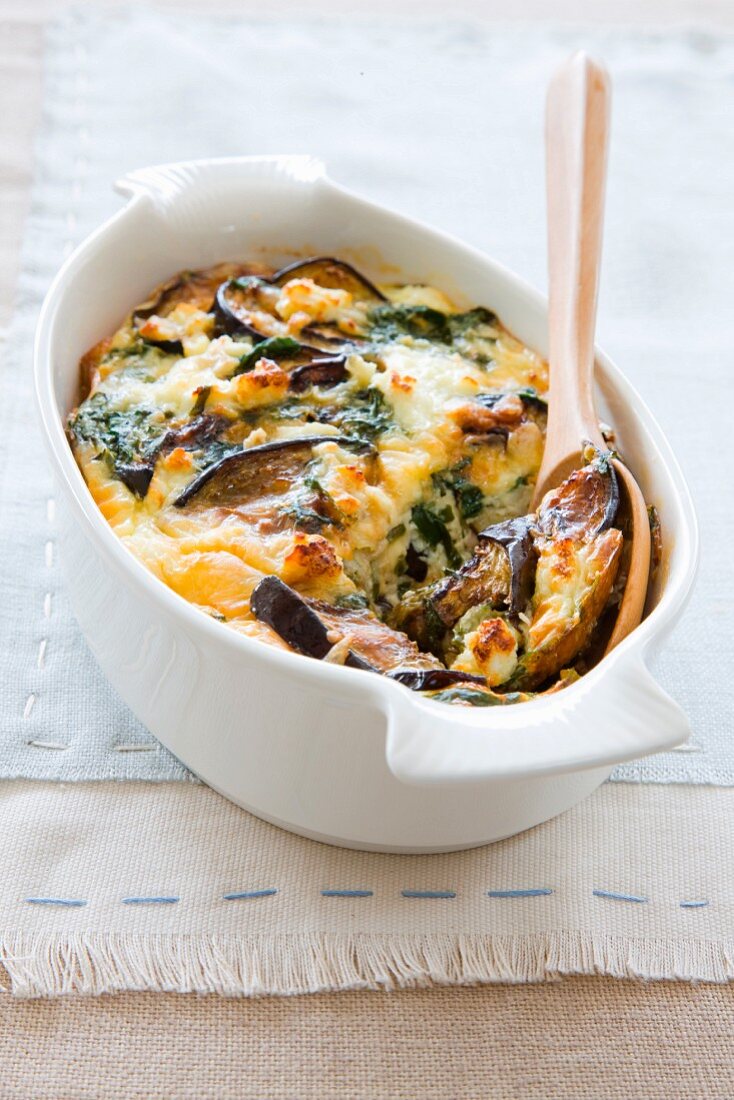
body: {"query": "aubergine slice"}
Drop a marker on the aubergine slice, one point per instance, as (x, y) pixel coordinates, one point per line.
(137, 476)
(312, 627)
(434, 679)
(238, 302)
(515, 537)
(196, 288)
(415, 616)
(485, 578)
(585, 504)
(306, 365)
(334, 274)
(555, 637)
(321, 371)
(273, 602)
(383, 648)
(500, 573)
(192, 435)
(498, 414)
(258, 473)
(326, 271)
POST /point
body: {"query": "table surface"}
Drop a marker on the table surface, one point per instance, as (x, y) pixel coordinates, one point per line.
(582, 1037)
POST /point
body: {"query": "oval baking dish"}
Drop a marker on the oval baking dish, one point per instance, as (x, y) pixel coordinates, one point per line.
(328, 751)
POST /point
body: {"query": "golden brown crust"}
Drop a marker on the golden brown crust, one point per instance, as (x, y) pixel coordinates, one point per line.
(492, 636)
(311, 558)
(549, 657)
(89, 367)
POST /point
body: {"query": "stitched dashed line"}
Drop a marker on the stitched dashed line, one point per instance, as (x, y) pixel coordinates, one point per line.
(246, 895)
(133, 748)
(428, 893)
(612, 896)
(162, 900)
(72, 903)
(271, 891)
(347, 893)
(79, 173)
(48, 557)
(533, 892)
(47, 745)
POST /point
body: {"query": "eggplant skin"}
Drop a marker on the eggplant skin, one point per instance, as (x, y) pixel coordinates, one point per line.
(485, 578)
(333, 274)
(434, 679)
(585, 504)
(515, 536)
(240, 476)
(245, 294)
(137, 476)
(273, 602)
(305, 365)
(416, 616)
(321, 371)
(202, 429)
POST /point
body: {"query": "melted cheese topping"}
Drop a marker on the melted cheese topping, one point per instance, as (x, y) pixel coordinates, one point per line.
(405, 473)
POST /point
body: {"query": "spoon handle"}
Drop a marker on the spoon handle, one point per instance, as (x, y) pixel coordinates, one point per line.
(577, 126)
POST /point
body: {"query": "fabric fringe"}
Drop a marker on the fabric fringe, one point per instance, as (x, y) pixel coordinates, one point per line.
(48, 965)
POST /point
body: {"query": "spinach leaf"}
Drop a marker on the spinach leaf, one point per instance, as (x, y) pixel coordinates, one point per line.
(395, 532)
(471, 322)
(389, 322)
(432, 529)
(467, 695)
(123, 436)
(202, 396)
(469, 497)
(275, 347)
(366, 417)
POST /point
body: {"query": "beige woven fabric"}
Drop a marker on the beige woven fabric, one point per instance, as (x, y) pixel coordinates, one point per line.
(111, 887)
(581, 1039)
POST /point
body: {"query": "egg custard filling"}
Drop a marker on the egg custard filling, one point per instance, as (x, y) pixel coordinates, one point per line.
(346, 471)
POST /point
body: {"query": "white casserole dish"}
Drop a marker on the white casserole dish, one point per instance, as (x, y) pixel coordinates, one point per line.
(330, 752)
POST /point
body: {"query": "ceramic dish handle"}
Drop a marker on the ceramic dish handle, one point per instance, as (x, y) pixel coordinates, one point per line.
(164, 183)
(612, 715)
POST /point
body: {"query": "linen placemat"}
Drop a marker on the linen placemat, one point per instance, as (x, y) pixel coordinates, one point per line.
(445, 123)
(168, 886)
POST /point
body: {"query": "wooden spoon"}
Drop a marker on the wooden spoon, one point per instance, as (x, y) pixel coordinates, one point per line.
(577, 125)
